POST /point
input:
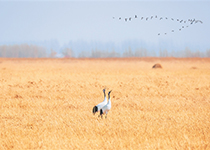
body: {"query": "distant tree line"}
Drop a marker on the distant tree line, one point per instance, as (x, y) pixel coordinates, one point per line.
(33, 51)
(22, 51)
(143, 53)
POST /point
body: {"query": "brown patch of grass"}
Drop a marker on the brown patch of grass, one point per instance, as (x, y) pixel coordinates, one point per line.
(194, 68)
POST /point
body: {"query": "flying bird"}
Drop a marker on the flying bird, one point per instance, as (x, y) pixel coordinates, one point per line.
(126, 19)
(135, 16)
(120, 18)
(192, 21)
(151, 17)
(156, 16)
(147, 18)
(142, 18)
(107, 107)
(172, 19)
(100, 105)
(130, 19)
(198, 21)
(161, 18)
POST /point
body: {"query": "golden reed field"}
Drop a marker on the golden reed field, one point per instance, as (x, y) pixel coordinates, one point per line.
(47, 103)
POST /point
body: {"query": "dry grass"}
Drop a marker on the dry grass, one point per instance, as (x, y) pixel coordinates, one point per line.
(47, 104)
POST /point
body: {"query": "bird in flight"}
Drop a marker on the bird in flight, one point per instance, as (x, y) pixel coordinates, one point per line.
(198, 21)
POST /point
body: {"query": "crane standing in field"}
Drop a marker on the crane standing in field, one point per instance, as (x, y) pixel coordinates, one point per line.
(100, 105)
(107, 107)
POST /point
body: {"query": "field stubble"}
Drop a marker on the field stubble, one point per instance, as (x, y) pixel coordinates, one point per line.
(47, 104)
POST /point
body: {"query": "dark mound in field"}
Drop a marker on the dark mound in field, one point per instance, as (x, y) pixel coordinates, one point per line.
(157, 66)
(194, 68)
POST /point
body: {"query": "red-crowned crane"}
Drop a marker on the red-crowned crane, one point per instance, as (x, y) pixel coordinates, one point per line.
(100, 105)
(106, 108)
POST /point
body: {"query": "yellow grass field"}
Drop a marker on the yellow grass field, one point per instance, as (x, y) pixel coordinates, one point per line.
(47, 104)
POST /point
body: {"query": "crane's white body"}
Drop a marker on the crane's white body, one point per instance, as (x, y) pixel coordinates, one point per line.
(102, 104)
(107, 107)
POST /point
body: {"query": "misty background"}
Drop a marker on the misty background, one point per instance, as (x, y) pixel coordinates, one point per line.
(93, 29)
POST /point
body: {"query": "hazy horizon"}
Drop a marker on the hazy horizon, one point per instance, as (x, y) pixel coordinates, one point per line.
(66, 22)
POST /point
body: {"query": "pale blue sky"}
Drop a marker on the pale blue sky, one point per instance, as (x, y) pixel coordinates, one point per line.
(22, 21)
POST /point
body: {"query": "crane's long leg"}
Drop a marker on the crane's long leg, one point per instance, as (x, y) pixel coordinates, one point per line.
(106, 114)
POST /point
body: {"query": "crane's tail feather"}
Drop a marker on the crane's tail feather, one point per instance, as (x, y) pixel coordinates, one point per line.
(95, 109)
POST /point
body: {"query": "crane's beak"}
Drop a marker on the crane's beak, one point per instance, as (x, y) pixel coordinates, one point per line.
(110, 92)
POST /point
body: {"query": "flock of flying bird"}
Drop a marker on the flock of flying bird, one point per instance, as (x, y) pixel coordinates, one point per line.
(103, 107)
(185, 23)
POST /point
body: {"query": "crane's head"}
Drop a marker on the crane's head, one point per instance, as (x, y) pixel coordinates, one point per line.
(104, 89)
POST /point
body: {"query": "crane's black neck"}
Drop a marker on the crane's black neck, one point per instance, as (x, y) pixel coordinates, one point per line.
(104, 94)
